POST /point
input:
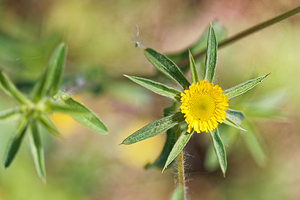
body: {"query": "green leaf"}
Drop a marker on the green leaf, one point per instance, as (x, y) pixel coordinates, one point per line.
(229, 137)
(37, 151)
(201, 44)
(10, 89)
(50, 81)
(178, 147)
(16, 142)
(87, 117)
(63, 108)
(154, 128)
(235, 116)
(10, 113)
(243, 87)
(219, 149)
(177, 194)
(231, 123)
(166, 66)
(211, 55)
(194, 72)
(254, 146)
(45, 121)
(156, 87)
(170, 141)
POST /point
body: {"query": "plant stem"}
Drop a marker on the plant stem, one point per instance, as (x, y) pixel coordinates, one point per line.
(180, 172)
(248, 31)
(180, 169)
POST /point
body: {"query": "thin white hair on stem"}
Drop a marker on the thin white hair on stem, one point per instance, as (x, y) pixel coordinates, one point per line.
(136, 39)
(175, 174)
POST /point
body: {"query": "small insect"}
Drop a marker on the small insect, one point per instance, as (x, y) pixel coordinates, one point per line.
(136, 40)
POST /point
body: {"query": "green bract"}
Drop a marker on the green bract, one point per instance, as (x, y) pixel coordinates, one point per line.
(173, 121)
(33, 112)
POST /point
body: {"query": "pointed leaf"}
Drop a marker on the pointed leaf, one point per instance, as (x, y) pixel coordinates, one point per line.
(229, 137)
(156, 87)
(235, 116)
(10, 89)
(63, 108)
(166, 66)
(45, 121)
(50, 81)
(37, 151)
(231, 123)
(194, 72)
(9, 114)
(155, 128)
(211, 55)
(178, 147)
(219, 149)
(16, 142)
(201, 44)
(87, 117)
(170, 141)
(243, 87)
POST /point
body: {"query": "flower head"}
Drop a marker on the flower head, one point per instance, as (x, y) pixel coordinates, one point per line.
(204, 106)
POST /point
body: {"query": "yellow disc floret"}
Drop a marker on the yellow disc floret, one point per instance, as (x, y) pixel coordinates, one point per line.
(204, 106)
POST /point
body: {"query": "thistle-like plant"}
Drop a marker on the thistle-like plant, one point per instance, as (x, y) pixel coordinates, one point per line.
(200, 107)
(33, 111)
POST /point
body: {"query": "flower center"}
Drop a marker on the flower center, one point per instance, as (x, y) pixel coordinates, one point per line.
(202, 106)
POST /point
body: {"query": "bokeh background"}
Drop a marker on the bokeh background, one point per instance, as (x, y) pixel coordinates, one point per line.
(100, 36)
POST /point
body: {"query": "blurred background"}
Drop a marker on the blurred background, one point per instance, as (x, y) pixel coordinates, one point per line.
(101, 38)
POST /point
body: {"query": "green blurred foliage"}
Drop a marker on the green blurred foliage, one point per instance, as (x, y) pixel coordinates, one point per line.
(99, 35)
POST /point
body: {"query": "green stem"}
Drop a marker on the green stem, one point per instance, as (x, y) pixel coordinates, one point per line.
(248, 31)
(180, 170)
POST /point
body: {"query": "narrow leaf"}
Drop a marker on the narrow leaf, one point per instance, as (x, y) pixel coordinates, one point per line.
(16, 142)
(170, 141)
(219, 149)
(166, 66)
(231, 123)
(9, 114)
(45, 121)
(243, 87)
(154, 128)
(10, 89)
(211, 55)
(235, 116)
(229, 137)
(50, 81)
(194, 72)
(178, 147)
(156, 87)
(63, 108)
(201, 44)
(86, 117)
(37, 151)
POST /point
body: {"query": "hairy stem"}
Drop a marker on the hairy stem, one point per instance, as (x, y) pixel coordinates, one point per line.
(180, 170)
(248, 31)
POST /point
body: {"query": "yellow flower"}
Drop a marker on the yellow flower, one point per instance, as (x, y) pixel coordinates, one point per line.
(204, 106)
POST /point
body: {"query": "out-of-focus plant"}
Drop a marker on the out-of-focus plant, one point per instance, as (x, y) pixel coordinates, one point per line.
(203, 106)
(32, 112)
